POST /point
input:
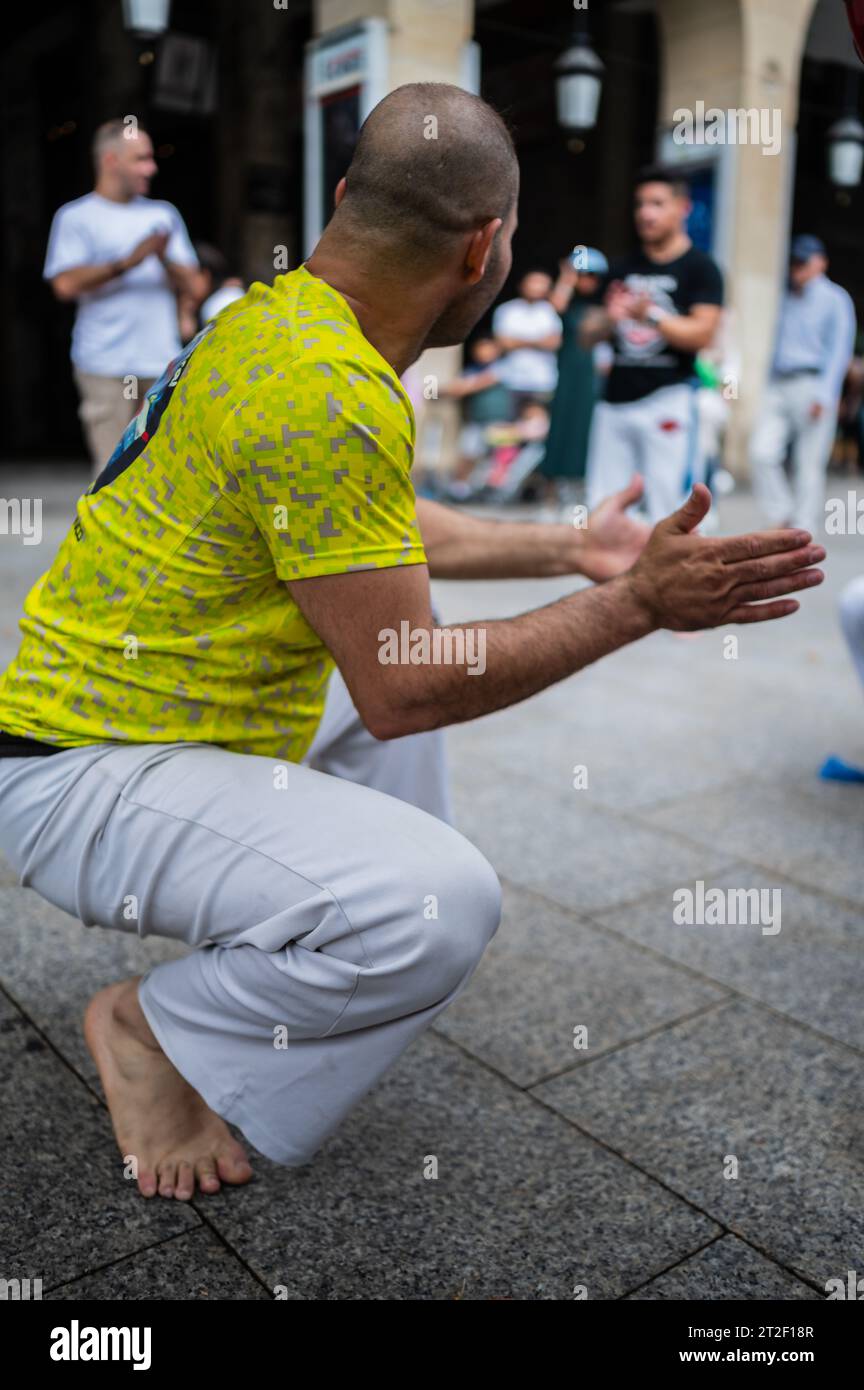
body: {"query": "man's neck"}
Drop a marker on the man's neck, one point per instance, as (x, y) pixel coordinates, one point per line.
(669, 249)
(391, 316)
(106, 189)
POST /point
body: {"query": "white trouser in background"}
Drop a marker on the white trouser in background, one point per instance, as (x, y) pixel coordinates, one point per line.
(784, 420)
(852, 622)
(657, 436)
(332, 920)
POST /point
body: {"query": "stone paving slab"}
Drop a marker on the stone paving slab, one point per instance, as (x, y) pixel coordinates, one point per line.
(547, 973)
(740, 1082)
(66, 1207)
(562, 846)
(196, 1267)
(726, 1269)
(626, 765)
(523, 1206)
(818, 846)
(812, 969)
(53, 965)
(8, 876)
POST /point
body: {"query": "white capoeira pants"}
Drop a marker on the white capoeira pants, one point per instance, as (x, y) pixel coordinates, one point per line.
(852, 622)
(333, 911)
(784, 421)
(658, 436)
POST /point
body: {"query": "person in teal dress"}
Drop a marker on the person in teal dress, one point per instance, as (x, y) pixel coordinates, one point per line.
(564, 462)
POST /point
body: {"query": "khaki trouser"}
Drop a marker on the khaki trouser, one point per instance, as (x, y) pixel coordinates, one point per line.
(106, 410)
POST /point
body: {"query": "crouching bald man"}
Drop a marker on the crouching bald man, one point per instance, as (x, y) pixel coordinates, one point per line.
(199, 737)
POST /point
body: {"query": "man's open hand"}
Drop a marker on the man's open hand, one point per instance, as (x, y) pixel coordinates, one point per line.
(686, 582)
(613, 540)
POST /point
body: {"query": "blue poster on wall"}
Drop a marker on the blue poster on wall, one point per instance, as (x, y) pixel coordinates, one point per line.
(700, 224)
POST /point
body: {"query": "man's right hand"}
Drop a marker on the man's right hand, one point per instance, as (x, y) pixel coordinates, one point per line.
(618, 302)
(152, 245)
(686, 582)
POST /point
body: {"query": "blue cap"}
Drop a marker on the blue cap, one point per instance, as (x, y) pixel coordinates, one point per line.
(803, 247)
(589, 260)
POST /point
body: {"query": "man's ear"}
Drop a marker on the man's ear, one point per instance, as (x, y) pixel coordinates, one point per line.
(479, 249)
(339, 193)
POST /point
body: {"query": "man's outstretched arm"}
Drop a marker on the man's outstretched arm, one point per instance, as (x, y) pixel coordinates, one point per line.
(682, 581)
(460, 546)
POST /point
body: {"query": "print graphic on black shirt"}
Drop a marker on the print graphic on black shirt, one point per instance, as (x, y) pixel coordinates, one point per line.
(642, 360)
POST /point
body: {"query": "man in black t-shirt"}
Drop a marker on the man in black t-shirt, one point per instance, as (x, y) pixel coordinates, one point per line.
(660, 306)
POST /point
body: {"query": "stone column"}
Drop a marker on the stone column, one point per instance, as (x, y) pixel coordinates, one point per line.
(259, 82)
(736, 54)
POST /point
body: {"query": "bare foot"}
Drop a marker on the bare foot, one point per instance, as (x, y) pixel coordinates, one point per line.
(157, 1116)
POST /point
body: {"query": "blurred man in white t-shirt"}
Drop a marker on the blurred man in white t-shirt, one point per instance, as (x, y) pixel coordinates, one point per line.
(528, 332)
(123, 258)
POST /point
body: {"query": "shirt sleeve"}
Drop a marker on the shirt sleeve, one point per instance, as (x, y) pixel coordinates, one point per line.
(322, 459)
(500, 320)
(180, 248)
(69, 246)
(706, 284)
(554, 320)
(838, 349)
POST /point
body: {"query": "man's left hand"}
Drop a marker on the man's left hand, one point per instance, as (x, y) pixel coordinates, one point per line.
(612, 540)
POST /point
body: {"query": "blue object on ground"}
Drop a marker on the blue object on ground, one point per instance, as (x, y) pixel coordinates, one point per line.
(835, 770)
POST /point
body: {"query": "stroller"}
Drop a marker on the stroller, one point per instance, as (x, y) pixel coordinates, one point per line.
(503, 471)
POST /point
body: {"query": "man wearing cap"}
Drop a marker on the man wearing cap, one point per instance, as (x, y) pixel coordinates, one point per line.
(815, 340)
(573, 405)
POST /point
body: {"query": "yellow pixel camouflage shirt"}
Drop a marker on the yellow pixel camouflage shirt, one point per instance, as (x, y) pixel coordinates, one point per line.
(277, 446)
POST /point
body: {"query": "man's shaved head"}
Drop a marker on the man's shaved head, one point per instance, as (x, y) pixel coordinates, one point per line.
(432, 162)
(420, 239)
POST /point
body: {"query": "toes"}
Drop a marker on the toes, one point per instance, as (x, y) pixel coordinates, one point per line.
(234, 1167)
(167, 1178)
(147, 1182)
(208, 1178)
(185, 1180)
(178, 1177)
